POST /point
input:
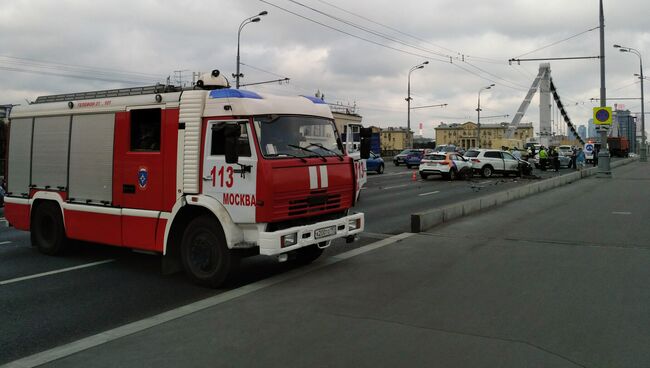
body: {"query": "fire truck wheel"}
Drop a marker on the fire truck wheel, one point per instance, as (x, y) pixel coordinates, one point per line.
(204, 253)
(47, 231)
(308, 254)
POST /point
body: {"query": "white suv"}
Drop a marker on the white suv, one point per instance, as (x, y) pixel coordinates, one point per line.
(490, 161)
(449, 165)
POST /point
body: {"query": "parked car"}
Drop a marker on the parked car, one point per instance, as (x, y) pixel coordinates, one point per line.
(565, 161)
(565, 150)
(449, 148)
(400, 158)
(450, 165)
(375, 163)
(413, 159)
(487, 162)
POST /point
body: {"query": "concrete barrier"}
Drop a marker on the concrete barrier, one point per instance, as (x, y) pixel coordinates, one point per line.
(423, 221)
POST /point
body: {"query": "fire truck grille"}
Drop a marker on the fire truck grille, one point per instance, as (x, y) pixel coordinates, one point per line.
(311, 203)
(314, 203)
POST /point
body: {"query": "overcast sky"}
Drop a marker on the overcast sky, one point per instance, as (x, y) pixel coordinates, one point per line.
(49, 47)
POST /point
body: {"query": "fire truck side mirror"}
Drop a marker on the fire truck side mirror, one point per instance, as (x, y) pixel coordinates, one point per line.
(232, 133)
(366, 134)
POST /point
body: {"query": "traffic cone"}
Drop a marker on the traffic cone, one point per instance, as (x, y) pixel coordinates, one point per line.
(414, 177)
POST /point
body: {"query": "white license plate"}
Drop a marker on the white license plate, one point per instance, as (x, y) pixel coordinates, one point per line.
(324, 232)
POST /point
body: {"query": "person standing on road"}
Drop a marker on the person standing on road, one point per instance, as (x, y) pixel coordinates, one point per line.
(580, 160)
(595, 160)
(543, 158)
(516, 153)
(556, 159)
(574, 153)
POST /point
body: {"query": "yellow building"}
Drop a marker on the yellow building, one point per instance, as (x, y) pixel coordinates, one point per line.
(492, 135)
(395, 139)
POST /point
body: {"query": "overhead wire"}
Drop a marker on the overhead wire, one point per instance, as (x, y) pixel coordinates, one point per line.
(263, 71)
(76, 76)
(34, 63)
(353, 35)
(557, 42)
(371, 31)
(491, 77)
(389, 27)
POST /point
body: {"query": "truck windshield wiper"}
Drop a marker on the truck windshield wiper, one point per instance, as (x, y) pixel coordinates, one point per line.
(308, 150)
(327, 149)
(287, 154)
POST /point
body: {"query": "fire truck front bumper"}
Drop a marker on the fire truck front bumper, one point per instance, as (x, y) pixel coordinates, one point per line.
(286, 240)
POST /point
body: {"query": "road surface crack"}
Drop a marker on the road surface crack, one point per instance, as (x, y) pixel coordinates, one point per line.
(462, 333)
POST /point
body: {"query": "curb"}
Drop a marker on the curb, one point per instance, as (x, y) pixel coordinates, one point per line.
(423, 221)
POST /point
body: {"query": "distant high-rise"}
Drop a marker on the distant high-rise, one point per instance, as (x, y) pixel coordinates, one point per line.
(582, 131)
(591, 129)
(625, 126)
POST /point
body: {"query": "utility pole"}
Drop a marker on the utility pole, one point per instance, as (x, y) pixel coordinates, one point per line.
(604, 170)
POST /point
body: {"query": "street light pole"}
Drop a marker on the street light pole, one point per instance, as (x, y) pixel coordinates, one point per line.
(408, 98)
(478, 114)
(604, 168)
(644, 155)
(253, 19)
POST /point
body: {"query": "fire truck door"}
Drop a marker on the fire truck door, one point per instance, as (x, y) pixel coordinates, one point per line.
(138, 181)
(233, 185)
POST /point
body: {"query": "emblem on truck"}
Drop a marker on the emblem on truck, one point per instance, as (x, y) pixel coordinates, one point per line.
(143, 177)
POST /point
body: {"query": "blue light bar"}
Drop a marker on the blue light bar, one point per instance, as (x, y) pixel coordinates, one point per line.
(233, 93)
(314, 99)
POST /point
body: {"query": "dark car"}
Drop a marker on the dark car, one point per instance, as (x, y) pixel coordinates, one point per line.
(375, 163)
(400, 158)
(413, 159)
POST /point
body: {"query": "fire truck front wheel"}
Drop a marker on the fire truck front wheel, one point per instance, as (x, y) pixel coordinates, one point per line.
(204, 253)
(47, 231)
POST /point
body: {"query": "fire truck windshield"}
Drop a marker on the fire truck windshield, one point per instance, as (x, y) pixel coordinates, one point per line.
(297, 136)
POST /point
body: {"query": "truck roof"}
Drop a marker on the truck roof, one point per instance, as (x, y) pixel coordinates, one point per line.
(218, 102)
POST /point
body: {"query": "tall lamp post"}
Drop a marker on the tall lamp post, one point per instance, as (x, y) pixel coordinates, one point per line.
(478, 114)
(253, 19)
(408, 98)
(644, 155)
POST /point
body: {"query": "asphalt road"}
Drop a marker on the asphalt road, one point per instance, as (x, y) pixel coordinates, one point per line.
(558, 279)
(114, 286)
(390, 198)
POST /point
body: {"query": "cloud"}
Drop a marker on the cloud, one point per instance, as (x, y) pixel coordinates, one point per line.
(152, 39)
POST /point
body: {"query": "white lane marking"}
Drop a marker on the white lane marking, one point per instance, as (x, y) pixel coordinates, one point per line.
(11, 281)
(138, 326)
(484, 182)
(621, 213)
(5, 242)
(429, 193)
(396, 186)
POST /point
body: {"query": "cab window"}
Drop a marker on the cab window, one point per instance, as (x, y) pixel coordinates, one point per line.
(217, 146)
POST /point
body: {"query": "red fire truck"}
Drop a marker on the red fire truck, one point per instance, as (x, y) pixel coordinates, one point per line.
(201, 176)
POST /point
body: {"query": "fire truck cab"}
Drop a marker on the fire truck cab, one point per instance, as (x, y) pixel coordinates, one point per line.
(205, 176)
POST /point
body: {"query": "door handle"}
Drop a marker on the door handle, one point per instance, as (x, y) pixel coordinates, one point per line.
(207, 178)
(128, 188)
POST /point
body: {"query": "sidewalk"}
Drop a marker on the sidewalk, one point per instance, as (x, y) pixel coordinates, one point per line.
(559, 279)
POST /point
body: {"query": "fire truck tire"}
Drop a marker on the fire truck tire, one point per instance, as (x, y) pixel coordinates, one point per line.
(308, 254)
(205, 254)
(46, 229)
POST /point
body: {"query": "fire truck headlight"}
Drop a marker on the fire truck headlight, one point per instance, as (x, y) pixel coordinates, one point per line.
(288, 240)
(354, 224)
